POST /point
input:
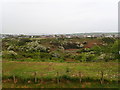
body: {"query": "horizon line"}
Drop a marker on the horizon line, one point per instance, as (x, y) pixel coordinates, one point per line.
(54, 33)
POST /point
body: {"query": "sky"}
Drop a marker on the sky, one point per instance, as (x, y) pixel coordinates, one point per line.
(58, 16)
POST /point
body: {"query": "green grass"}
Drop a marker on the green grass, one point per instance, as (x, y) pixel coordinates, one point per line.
(48, 72)
(61, 85)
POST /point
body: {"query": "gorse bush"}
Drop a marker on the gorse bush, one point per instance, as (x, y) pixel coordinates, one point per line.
(85, 57)
(104, 49)
(108, 40)
(23, 41)
(35, 46)
(10, 54)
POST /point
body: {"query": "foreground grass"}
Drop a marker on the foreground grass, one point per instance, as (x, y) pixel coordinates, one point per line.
(48, 72)
(61, 85)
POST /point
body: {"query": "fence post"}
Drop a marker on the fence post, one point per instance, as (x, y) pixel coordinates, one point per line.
(35, 74)
(57, 77)
(41, 80)
(102, 77)
(80, 76)
(14, 80)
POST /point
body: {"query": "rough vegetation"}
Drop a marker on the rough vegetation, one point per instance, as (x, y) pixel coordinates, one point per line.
(56, 62)
(83, 50)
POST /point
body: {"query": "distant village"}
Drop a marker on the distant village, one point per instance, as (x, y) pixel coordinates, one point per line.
(78, 35)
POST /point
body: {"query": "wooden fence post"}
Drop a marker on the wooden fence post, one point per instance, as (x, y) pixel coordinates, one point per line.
(57, 77)
(80, 76)
(102, 77)
(35, 75)
(14, 80)
(41, 80)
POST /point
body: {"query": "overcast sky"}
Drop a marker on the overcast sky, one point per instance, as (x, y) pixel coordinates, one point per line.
(59, 16)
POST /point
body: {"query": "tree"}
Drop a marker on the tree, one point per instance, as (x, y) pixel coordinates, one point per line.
(115, 49)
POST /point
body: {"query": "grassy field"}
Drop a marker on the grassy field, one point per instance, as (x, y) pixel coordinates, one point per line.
(46, 74)
(62, 85)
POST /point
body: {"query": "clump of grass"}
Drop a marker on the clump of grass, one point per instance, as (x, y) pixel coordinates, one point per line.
(66, 77)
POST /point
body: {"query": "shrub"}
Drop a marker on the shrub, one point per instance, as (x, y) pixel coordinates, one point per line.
(54, 54)
(23, 41)
(108, 40)
(85, 57)
(10, 54)
(84, 50)
(35, 46)
(106, 57)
